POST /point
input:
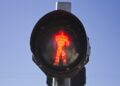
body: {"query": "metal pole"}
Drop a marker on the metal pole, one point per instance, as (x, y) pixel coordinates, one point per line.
(66, 6)
(61, 82)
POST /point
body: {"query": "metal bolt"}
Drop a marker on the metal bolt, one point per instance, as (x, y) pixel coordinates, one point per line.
(40, 65)
(67, 68)
(79, 67)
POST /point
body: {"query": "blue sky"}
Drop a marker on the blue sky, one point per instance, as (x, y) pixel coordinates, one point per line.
(101, 19)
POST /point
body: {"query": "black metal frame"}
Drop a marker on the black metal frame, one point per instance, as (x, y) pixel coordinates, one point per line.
(38, 31)
(78, 80)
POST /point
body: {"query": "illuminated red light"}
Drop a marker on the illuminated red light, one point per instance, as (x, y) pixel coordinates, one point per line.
(62, 40)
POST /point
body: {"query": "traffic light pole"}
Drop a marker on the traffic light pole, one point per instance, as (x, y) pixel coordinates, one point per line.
(62, 81)
(63, 6)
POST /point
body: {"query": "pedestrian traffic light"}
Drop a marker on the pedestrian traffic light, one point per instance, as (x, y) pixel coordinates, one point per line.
(59, 44)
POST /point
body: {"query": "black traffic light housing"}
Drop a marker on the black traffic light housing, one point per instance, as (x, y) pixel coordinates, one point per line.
(41, 43)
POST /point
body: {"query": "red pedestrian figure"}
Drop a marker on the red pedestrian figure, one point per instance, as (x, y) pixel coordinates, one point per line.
(62, 41)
